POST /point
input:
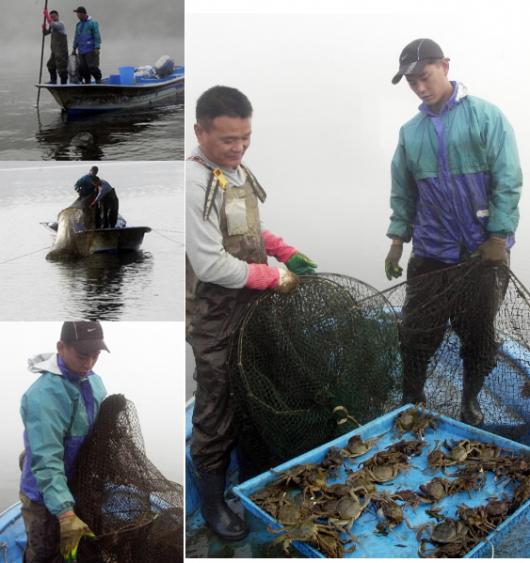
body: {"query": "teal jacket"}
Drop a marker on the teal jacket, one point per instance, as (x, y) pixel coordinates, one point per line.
(87, 36)
(57, 411)
(456, 179)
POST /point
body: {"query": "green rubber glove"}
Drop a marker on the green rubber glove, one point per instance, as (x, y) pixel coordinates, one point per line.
(72, 529)
(300, 264)
(392, 267)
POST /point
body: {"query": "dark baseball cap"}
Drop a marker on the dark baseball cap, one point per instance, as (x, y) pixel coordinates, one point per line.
(80, 10)
(416, 55)
(85, 336)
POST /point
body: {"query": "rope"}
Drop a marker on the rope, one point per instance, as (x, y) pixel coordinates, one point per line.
(23, 255)
(166, 237)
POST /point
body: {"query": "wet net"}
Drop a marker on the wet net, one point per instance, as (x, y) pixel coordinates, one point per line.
(310, 366)
(134, 511)
(71, 221)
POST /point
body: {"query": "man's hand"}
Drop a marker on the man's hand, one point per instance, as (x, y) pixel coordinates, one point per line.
(392, 267)
(288, 281)
(71, 529)
(300, 264)
(494, 251)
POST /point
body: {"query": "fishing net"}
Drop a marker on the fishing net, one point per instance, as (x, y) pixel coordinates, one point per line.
(309, 366)
(75, 219)
(480, 316)
(134, 511)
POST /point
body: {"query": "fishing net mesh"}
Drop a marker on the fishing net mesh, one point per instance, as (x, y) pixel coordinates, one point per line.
(134, 511)
(71, 221)
(312, 365)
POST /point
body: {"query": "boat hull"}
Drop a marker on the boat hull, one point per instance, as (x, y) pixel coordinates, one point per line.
(76, 99)
(116, 241)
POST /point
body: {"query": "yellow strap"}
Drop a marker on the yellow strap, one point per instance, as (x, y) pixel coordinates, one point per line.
(219, 176)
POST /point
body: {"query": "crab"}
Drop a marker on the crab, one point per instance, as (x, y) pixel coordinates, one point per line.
(333, 459)
(345, 510)
(408, 447)
(324, 537)
(390, 510)
(522, 493)
(309, 478)
(415, 420)
(408, 497)
(451, 538)
(459, 451)
(356, 446)
(382, 473)
(435, 490)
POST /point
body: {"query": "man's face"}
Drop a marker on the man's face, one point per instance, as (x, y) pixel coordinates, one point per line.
(77, 361)
(431, 85)
(54, 17)
(81, 16)
(226, 140)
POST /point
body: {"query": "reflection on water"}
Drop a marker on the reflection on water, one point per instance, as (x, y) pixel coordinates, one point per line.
(155, 133)
(98, 287)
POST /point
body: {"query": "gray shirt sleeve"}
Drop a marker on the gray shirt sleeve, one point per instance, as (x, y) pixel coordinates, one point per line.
(204, 240)
(58, 27)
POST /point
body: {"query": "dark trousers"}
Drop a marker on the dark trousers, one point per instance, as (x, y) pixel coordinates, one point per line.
(216, 315)
(57, 63)
(42, 529)
(107, 213)
(469, 296)
(89, 66)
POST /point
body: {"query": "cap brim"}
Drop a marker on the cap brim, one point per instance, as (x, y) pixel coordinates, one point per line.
(409, 68)
(90, 346)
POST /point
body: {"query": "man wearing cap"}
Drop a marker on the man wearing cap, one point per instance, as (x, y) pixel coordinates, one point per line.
(226, 268)
(58, 61)
(456, 184)
(58, 411)
(87, 42)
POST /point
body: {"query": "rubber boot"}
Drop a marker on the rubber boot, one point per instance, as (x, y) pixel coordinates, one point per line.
(53, 77)
(414, 376)
(471, 412)
(219, 517)
(64, 77)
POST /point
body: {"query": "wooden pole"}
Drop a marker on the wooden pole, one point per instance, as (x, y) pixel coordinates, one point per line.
(41, 54)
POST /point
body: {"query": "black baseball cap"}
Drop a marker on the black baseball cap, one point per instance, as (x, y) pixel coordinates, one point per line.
(416, 55)
(80, 10)
(85, 336)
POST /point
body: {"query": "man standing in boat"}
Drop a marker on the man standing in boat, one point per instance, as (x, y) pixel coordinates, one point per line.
(226, 268)
(58, 411)
(106, 201)
(87, 42)
(456, 184)
(58, 61)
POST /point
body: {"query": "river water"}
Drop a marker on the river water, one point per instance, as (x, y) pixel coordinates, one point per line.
(144, 285)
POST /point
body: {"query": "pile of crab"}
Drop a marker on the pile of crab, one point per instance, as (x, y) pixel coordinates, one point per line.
(311, 506)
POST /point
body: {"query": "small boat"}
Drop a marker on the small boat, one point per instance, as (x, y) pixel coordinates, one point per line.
(112, 95)
(117, 240)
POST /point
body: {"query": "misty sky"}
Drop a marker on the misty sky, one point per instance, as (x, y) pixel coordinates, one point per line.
(130, 28)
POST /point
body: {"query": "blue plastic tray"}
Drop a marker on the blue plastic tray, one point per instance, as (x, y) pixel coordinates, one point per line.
(401, 540)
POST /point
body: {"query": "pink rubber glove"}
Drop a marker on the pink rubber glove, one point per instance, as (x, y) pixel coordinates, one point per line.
(261, 277)
(275, 246)
(46, 15)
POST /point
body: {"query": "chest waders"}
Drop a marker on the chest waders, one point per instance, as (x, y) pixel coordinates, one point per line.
(214, 314)
(58, 61)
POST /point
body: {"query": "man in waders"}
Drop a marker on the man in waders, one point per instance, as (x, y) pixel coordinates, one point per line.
(58, 411)
(226, 268)
(87, 42)
(456, 184)
(58, 61)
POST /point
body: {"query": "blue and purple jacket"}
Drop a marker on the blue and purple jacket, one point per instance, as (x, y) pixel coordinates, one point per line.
(456, 179)
(58, 411)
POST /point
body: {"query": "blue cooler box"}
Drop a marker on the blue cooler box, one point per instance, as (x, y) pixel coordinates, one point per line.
(127, 74)
(401, 541)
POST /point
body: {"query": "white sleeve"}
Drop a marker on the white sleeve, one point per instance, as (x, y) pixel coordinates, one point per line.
(204, 240)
